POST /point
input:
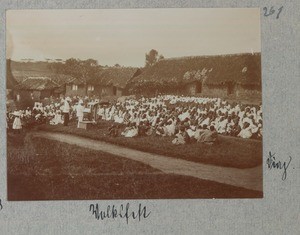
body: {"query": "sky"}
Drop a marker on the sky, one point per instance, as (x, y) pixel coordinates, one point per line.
(123, 36)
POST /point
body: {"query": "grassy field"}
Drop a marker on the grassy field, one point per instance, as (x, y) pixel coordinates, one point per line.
(230, 152)
(42, 169)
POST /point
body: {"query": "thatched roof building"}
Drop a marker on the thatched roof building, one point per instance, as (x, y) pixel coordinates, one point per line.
(108, 82)
(37, 84)
(116, 76)
(237, 68)
(35, 88)
(204, 75)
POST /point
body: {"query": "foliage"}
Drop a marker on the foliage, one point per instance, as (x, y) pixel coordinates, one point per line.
(83, 69)
(152, 57)
(196, 75)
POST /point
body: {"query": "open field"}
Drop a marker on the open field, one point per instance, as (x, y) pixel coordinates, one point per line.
(230, 152)
(42, 169)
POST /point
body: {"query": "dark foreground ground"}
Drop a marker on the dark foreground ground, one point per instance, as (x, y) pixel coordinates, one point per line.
(42, 169)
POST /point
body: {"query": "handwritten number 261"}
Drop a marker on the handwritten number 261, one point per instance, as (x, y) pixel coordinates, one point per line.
(271, 11)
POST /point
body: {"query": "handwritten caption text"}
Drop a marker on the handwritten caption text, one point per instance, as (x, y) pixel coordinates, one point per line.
(123, 212)
(278, 165)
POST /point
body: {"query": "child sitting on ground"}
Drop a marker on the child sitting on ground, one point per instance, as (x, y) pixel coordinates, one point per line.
(181, 137)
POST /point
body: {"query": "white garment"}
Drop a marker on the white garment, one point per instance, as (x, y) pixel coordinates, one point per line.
(57, 119)
(132, 132)
(170, 129)
(79, 110)
(17, 123)
(206, 121)
(66, 107)
(245, 133)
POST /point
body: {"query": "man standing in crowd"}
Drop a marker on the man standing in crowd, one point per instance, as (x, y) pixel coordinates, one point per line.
(79, 112)
(66, 110)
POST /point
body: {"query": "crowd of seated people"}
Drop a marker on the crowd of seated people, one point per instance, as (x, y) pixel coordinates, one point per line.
(186, 119)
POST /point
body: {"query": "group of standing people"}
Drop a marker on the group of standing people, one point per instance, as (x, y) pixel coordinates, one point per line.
(57, 112)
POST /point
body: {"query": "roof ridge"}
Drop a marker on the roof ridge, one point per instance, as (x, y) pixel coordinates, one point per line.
(54, 82)
(209, 56)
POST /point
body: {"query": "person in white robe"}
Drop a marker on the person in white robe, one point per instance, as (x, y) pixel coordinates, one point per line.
(79, 112)
(179, 139)
(170, 128)
(221, 127)
(132, 131)
(57, 118)
(17, 125)
(245, 133)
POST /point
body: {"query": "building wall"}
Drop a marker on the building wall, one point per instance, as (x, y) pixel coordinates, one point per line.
(32, 94)
(119, 92)
(105, 91)
(102, 91)
(28, 97)
(35, 94)
(95, 92)
(80, 91)
(193, 88)
(23, 95)
(45, 94)
(229, 91)
(24, 100)
(247, 91)
(214, 90)
(238, 91)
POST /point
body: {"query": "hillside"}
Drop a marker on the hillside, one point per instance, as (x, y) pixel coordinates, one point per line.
(23, 70)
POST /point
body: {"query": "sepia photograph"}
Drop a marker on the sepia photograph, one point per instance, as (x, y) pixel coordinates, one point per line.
(134, 104)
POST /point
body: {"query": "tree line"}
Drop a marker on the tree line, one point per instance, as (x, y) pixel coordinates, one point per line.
(85, 69)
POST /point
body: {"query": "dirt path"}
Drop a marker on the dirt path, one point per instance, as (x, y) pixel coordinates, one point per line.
(250, 178)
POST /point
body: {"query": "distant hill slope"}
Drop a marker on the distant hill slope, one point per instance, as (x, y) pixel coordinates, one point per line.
(106, 75)
(22, 70)
(39, 66)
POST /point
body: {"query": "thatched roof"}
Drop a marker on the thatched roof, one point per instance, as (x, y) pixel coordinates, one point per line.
(58, 78)
(61, 79)
(24, 70)
(117, 76)
(76, 81)
(237, 68)
(37, 83)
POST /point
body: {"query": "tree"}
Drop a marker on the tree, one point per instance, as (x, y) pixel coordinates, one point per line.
(81, 69)
(161, 57)
(152, 57)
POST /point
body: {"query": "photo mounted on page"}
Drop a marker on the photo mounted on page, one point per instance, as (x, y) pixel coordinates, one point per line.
(133, 104)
